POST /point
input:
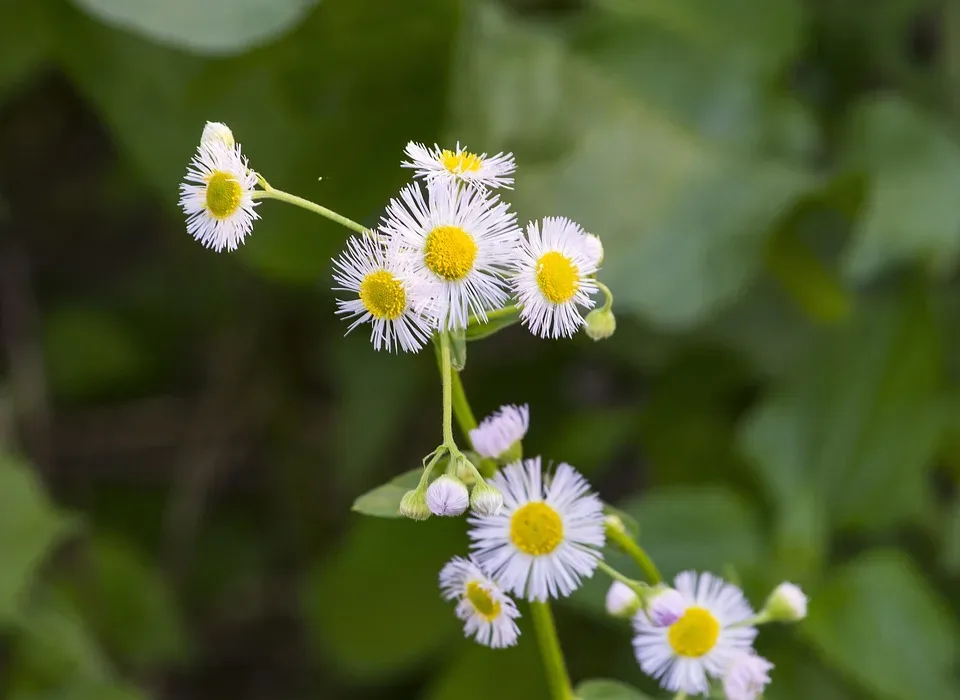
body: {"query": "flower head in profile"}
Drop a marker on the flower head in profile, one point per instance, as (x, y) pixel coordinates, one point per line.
(459, 165)
(447, 496)
(553, 277)
(216, 195)
(621, 601)
(488, 613)
(500, 431)
(459, 242)
(746, 677)
(787, 603)
(214, 132)
(547, 537)
(703, 642)
(386, 294)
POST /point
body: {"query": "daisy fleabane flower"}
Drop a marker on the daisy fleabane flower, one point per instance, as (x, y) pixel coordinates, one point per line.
(553, 278)
(216, 195)
(488, 612)
(460, 243)
(547, 537)
(387, 295)
(459, 165)
(500, 431)
(703, 642)
(746, 677)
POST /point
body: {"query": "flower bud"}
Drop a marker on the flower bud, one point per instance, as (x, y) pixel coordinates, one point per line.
(594, 248)
(746, 677)
(600, 324)
(448, 496)
(413, 505)
(787, 603)
(217, 132)
(615, 523)
(622, 601)
(666, 607)
(486, 499)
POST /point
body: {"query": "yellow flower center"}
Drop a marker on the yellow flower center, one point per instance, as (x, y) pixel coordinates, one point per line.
(450, 252)
(536, 529)
(223, 195)
(482, 602)
(462, 162)
(557, 277)
(695, 633)
(383, 295)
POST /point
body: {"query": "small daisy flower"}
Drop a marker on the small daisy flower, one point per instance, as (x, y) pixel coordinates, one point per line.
(547, 537)
(553, 277)
(443, 165)
(215, 132)
(746, 677)
(703, 642)
(500, 431)
(387, 294)
(787, 603)
(621, 601)
(216, 196)
(488, 612)
(460, 243)
(447, 496)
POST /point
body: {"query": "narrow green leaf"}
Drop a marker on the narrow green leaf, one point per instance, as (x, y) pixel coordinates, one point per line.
(384, 500)
(479, 331)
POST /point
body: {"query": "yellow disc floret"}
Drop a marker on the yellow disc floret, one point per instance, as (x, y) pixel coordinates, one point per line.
(694, 634)
(536, 529)
(450, 252)
(557, 277)
(383, 295)
(482, 602)
(462, 162)
(224, 193)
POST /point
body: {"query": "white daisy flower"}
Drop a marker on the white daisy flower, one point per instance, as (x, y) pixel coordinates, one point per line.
(547, 537)
(746, 677)
(387, 295)
(787, 603)
(499, 431)
(215, 132)
(216, 196)
(621, 601)
(703, 642)
(488, 612)
(460, 243)
(448, 496)
(441, 164)
(553, 277)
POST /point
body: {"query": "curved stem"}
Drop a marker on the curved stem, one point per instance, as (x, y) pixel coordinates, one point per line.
(461, 407)
(608, 296)
(636, 552)
(641, 589)
(273, 193)
(549, 642)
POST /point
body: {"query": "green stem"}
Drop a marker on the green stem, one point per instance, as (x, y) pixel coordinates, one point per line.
(549, 643)
(273, 193)
(641, 589)
(446, 376)
(608, 296)
(636, 552)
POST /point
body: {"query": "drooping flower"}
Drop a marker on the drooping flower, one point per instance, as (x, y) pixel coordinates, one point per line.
(553, 277)
(447, 496)
(488, 612)
(746, 677)
(460, 243)
(485, 499)
(787, 603)
(500, 431)
(547, 538)
(703, 642)
(216, 195)
(621, 601)
(458, 165)
(388, 295)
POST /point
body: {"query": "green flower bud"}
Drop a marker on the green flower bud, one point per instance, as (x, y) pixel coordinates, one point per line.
(413, 505)
(600, 324)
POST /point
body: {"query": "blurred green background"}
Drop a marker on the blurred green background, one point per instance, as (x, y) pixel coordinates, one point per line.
(777, 184)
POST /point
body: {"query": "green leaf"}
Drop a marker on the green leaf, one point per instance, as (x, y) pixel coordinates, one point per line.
(130, 607)
(480, 673)
(210, 26)
(912, 212)
(29, 528)
(682, 215)
(857, 422)
(879, 623)
(498, 323)
(385, 574)
(384, 500)
(602, 689)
